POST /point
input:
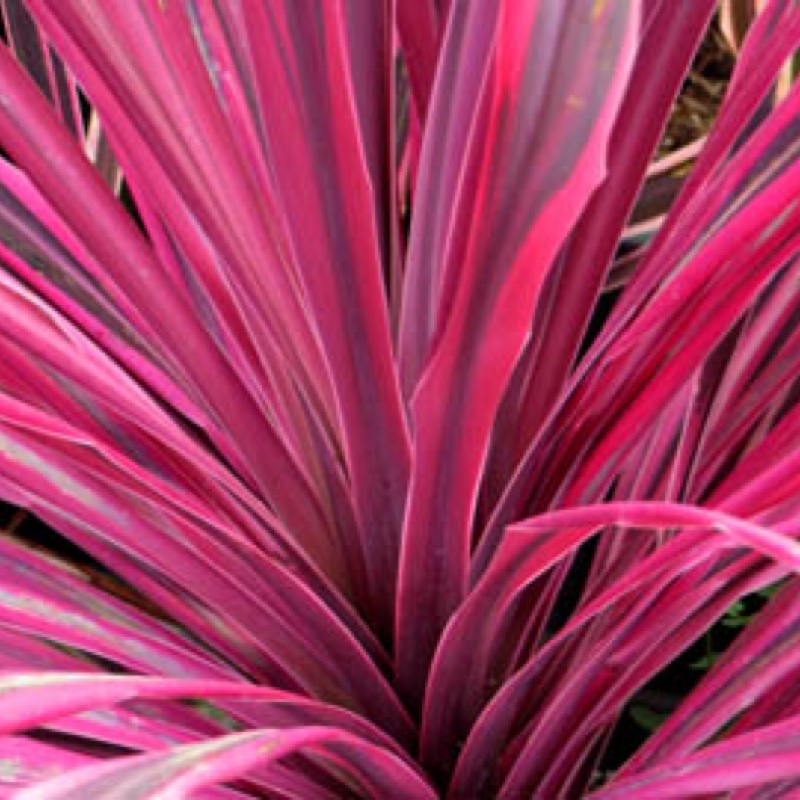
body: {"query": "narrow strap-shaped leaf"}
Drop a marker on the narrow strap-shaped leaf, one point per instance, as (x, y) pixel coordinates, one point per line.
(454, 122)
(269, 307)
(142, 727)
(86, 370)
(759, 371)
(268, 607)
(35, 232)
(670, 34)
(322, 170)
(31, 133)
(40, 61)
(60, 695)
(771, 468)
(38, 596)
(191, 768)
(20, 653)
(190, 343)
(63, 694)
(167, 100)
(584, 706)
(419, 27)
(490, 284)
(738, 682)
(122, 402)
(577, 718)
(762, 757)
(520, 560)
(771, 41)
(768, 185)
(26, 761)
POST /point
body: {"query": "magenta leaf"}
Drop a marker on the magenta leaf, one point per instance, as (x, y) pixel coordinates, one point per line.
(384, 413)
(464, 353)
(193, 767)
(751, 759)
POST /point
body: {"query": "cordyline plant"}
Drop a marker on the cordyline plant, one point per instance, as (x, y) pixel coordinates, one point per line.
(294, 304)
